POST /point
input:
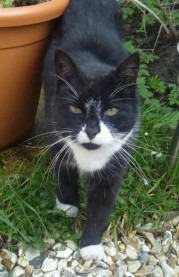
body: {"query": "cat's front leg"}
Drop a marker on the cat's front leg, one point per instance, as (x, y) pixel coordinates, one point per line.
(101, 198)
(67, 190)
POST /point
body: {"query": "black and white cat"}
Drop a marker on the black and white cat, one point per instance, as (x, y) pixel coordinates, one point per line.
(92, 112)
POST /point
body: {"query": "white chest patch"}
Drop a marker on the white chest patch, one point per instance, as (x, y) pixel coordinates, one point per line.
(94, 160)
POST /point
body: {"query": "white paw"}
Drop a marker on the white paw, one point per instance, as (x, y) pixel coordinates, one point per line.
(93, 252)
(70, 210)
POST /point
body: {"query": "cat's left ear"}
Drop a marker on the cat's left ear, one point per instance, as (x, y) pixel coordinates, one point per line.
(64, 64)
(128, 69)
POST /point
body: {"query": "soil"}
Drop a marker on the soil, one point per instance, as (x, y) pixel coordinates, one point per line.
(20, 3)
(167, 66)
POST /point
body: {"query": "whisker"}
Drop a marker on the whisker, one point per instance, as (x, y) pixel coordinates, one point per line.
(136, 166)
(118, 89)
(42, 153)
(55, 160)
(40, 135)
(121, 99)
(68, 84)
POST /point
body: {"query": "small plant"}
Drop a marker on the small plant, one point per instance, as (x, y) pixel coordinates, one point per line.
(173, 95)
(6, 3)
(157, 84)
(165, 13)
(19, 3)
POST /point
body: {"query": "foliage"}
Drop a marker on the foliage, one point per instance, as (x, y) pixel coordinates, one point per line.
(151, 13)
(153, 90)
(7, 3)
(173, 95)
(18, 3)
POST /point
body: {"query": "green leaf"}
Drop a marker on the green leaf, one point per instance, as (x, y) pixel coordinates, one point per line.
(7, 3)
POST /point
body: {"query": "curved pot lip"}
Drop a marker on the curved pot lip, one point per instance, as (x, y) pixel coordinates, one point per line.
(20, 16)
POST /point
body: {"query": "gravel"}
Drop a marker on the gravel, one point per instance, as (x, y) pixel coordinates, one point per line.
(144, 252)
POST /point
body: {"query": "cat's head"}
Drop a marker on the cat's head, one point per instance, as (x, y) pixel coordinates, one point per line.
(94, 112)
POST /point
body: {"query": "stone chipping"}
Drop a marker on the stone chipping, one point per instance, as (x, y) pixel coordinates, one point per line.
(145, 252)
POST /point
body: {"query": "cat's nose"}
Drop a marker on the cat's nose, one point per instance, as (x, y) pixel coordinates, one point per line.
(92, 130)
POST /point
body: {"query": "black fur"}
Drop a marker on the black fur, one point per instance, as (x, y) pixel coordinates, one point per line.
(86, 51)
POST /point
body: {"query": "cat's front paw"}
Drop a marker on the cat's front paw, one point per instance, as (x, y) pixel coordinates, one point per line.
(93, 252)
(70, 210)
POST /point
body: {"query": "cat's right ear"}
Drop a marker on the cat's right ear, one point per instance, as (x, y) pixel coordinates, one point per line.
(64, 64)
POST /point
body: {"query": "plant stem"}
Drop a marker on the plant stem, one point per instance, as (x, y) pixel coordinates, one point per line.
(168, 18)
(151, 12)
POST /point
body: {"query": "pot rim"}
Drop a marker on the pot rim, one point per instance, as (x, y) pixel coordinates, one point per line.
(34, 14)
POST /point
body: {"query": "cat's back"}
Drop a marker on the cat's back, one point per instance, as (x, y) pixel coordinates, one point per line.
(88, 32)
(84, 14)
(91, 25)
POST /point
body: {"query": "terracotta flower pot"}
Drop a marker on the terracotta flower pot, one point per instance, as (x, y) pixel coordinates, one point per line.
(24, 35)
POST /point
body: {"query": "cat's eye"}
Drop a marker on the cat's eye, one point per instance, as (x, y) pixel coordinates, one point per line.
(75, 110)
(111, 112)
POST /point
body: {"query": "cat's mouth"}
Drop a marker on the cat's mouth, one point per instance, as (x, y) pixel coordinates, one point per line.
(91, 146)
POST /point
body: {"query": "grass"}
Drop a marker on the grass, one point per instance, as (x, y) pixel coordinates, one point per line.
(27, 209)
(140, 203)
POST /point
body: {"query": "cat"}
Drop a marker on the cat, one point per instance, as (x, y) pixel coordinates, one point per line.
(92, 109)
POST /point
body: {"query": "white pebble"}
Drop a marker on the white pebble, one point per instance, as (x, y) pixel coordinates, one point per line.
(104, 272)
(108, 260)
(175, 246)
(48, 242)
(167, 270)
(69, 272)
(54, 273)
(122, 265)
(167, 238)
(71, 244)
(62, 264)
(22, 262)
(58, 247)
(18, 272)
(87, 264)
(76, 255)
(65, 253)
(37, 273)
(29, 253)
(119, 273)
(49, 264)
(157, 272)
(145, 248)
(121, 256)
(79, 268)
(69, 259)
(131, 252)
(110, 251)
(133, 266)
(152, 260)
(128, 274)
